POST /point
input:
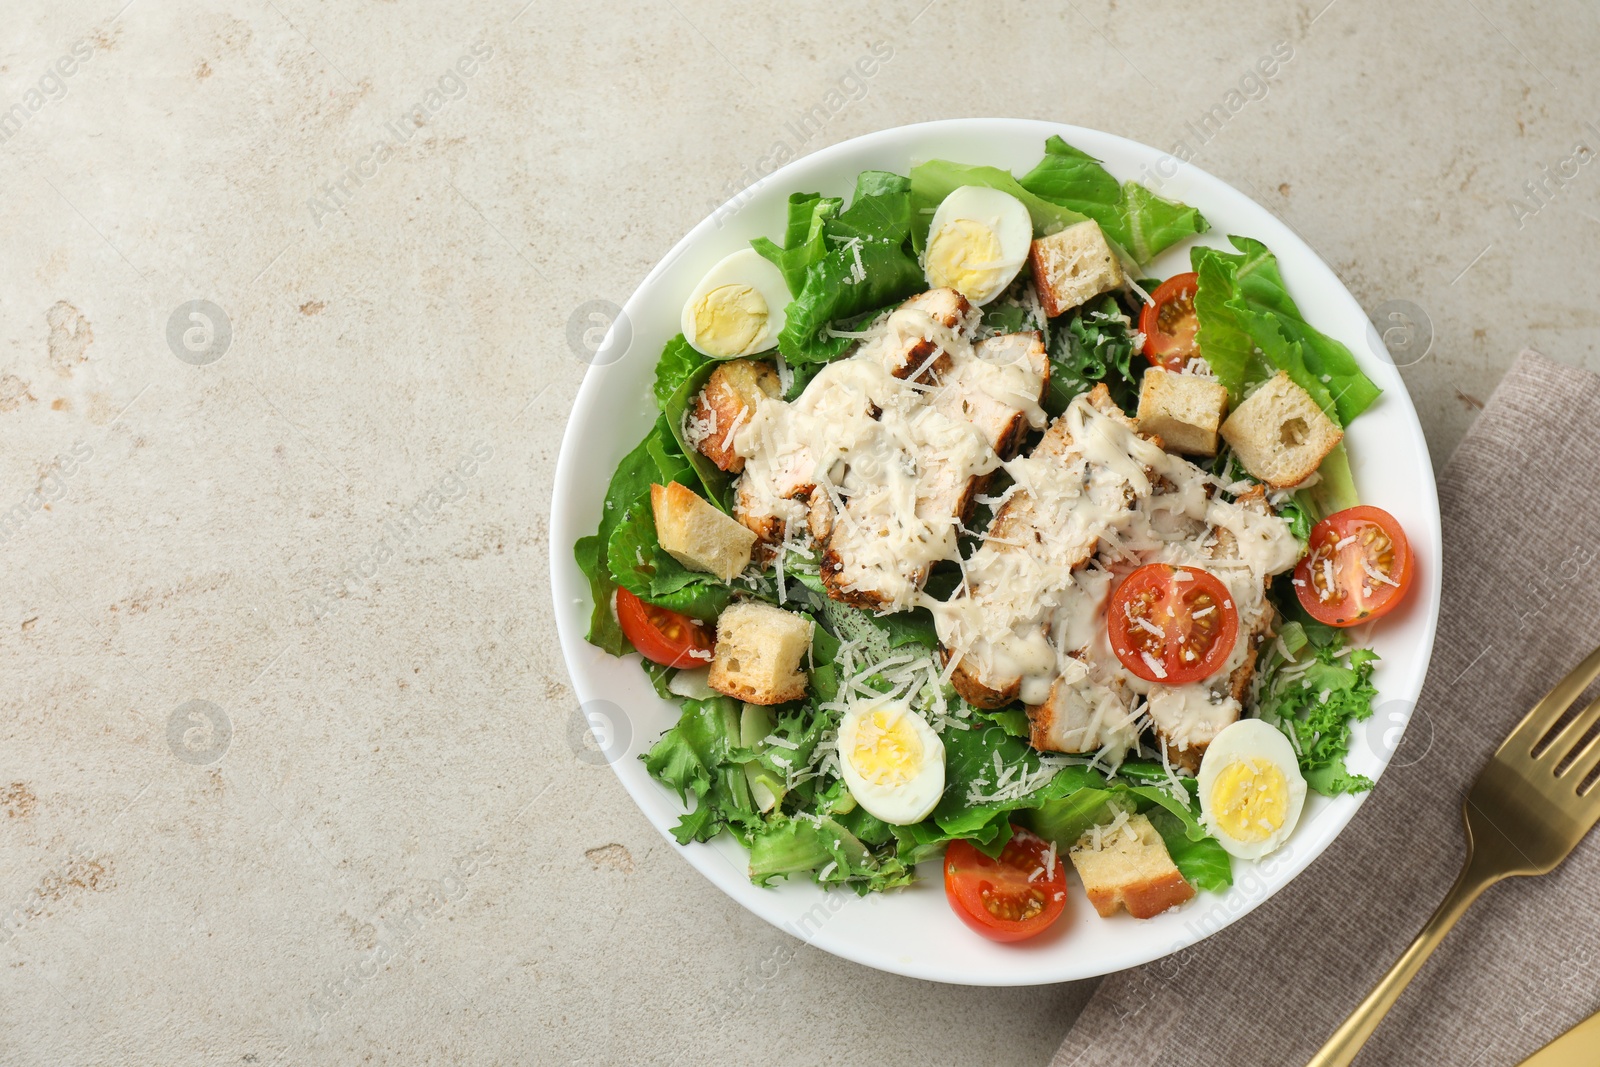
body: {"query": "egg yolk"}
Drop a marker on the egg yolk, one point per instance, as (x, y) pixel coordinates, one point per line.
(887, 750)
(1250, 800)
(729, 319)
(964, 255)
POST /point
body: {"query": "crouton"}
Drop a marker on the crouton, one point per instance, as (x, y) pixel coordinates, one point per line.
(729, 399)
(759, 653)
(1125, 864)
(1183, 410)
(1073, 266)
(697, 535)
(1279, 433)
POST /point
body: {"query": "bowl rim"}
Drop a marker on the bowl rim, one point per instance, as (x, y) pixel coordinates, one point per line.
(714, 859)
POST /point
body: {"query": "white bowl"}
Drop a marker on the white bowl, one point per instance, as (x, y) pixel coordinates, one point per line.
(913, 932)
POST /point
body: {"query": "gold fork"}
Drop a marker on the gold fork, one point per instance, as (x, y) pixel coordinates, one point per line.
(1523, 815)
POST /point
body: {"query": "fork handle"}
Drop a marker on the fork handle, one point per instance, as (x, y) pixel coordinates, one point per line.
(1342, 1047)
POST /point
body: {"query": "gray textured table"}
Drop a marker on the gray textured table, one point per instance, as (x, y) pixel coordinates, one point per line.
(284, 762)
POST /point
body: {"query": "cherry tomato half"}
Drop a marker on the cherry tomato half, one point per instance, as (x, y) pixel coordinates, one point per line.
(1169, 324)
(662, 636)
(1172, 625)
(1357, 567)
(1010, 898)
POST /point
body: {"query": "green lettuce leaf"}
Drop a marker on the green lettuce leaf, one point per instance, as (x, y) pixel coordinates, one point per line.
(633, 476)
(604, 630)
(714, 483)
(1002, 317)
(693, 759)
(678, 362)
(799, 845)
(969, 758)
(1132, 216)
(1199, 857)
(868, 264)
(1205, 864)
(1250, 328)
(1335, 490)
(936, 179)
(1316, 708)
(1065, 819)
(1092, 344)
(639, 564)
(805, 239)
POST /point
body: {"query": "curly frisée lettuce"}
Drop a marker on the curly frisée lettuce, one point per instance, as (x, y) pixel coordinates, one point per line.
(1313, 686)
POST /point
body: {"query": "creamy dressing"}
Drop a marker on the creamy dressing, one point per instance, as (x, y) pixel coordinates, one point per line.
(1079, 483)
(885, 446)
(1097, 501)
(895, 438)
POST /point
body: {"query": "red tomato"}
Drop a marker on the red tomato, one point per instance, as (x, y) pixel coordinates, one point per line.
(1172, 625)
(1169, 324)
(1010, 898)
(1357, 567)
(662, 636)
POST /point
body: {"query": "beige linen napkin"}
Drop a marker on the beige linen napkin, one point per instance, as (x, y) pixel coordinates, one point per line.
(1521, 507)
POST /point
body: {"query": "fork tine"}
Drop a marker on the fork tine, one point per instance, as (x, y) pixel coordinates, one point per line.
(1573, 746)
(1563, 745)
(1545, 714)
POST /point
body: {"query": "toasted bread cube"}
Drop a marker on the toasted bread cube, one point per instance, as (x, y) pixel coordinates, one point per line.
(730, 398)
(697, 535)
(1280, 434)
(1073, 266)
(1124, 864)
(1183, 410)
(759, 653)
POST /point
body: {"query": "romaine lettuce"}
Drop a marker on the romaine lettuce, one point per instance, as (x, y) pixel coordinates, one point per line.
(679, 361)
(866, 264)
(936, 179)
(1198, 856)
(1093, 344)
(638, 564)
(631, 478)
(1141, 222)
(1250, 328)
(789, 845)
(693, 759)
(714, 482)
(805, 241)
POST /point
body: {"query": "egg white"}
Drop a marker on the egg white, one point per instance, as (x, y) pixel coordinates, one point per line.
(1245, 740)
(965, 220)
(745, 267)
(900, 803)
